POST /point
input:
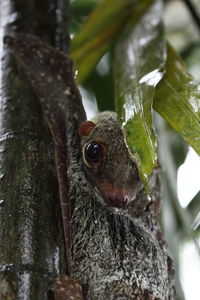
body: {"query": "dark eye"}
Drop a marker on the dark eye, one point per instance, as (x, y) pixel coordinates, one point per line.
(93, 152)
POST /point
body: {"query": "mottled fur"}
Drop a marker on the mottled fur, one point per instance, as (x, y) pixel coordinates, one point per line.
(117, 254)
(118, 169)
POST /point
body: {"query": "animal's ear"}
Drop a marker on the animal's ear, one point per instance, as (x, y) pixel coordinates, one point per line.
(86, 127)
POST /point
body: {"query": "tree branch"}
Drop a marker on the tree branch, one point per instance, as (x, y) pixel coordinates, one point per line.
(193, 13)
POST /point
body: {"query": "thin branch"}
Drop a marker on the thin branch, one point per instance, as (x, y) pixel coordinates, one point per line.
(193, 12)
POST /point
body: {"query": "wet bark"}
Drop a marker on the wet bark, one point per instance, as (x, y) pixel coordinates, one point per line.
(31, 234)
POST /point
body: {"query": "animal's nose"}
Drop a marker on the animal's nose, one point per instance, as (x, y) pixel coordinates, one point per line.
(115, 197)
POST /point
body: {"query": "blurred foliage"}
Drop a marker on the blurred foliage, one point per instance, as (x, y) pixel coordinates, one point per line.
(100, 82)
(108, 28)
(194, 210)
(79, 11)
(103, 26)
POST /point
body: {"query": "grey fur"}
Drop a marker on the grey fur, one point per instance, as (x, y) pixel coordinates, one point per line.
(116, 253)
(118, 167)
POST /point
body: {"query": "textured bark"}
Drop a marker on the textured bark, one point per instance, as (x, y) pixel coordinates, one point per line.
(31, 236)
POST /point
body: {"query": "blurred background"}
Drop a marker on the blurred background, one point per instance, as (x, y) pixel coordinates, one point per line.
(180, 163)
(183, 31)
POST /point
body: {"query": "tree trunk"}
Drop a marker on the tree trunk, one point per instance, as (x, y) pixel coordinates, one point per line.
(31, 236)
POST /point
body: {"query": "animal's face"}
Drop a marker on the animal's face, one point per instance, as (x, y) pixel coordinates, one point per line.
(108, 162)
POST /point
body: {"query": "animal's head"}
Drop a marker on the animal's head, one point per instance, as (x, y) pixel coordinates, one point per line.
(107, 160)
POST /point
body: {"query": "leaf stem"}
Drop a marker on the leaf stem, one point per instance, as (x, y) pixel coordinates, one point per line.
(192, 10)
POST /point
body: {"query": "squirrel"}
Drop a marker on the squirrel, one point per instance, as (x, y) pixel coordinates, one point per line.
(108, 162)
(117, 236)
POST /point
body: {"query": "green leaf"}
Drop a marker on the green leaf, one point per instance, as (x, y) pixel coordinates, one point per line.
(106, 22)
(139, 62)
(177, 100)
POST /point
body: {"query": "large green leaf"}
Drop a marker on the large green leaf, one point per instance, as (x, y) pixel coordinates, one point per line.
(177, 100)
(139, 67)
(103, 26)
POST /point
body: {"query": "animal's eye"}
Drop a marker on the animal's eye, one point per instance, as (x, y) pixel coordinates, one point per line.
(93, 152)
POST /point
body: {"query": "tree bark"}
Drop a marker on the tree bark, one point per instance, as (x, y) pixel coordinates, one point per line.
(31, 235)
